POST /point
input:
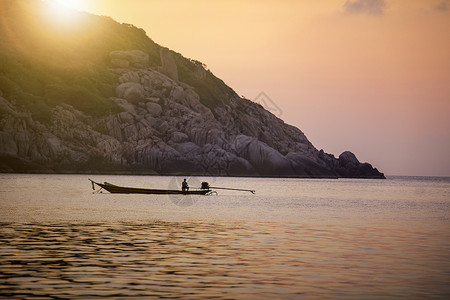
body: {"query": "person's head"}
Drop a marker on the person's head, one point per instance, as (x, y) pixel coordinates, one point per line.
(185, 179)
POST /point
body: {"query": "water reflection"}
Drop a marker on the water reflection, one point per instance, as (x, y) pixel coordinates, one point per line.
(219, 260)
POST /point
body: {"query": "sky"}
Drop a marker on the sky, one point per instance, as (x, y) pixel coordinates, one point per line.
(369, 76)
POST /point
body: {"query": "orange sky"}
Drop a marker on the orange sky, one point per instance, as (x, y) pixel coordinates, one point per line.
(369, 76)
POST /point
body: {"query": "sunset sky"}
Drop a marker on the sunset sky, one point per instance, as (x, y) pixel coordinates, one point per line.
(369, 76)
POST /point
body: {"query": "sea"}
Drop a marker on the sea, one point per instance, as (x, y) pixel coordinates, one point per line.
(291, 239)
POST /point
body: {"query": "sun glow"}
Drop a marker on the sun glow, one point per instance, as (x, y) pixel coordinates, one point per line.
(64, 11)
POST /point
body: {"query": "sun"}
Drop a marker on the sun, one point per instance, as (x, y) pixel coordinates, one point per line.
(65, 11)
(79, 5)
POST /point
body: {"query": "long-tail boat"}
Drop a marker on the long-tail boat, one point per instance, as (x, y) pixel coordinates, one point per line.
(115, 189)
(205, 189)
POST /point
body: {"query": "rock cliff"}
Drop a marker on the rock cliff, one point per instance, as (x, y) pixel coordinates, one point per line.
(170, 117)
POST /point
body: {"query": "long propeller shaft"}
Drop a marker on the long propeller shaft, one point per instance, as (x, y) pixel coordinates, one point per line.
(224, 188)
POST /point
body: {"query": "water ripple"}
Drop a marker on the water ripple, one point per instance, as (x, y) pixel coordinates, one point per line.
(214, 260)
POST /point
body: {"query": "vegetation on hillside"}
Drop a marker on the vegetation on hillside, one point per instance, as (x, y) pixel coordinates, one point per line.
(212, 90)
(44, 63)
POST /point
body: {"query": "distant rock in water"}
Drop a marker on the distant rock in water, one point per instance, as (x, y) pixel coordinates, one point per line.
(145, 110)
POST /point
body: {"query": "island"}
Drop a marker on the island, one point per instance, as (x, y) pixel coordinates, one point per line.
(102, 97)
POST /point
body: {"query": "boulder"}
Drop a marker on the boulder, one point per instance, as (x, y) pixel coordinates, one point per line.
(145, 130)
(135, 58)
(193, 101)
(125, 118)
(163, 127)
(178, 95)
(266, 160)
(347, 158)
(350, 167)
(131, 91)
(205, 133)
(139, 59)
(151, 120)
(125, 105)
(153, 109)
(179, 137)
(131, 76)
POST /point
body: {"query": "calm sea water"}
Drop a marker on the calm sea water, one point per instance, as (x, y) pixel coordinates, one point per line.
(295, 238)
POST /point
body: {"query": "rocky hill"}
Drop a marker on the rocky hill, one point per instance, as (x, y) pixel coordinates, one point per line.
(102, 97)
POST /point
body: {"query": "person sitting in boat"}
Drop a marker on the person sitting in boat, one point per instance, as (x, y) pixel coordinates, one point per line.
(184, 186)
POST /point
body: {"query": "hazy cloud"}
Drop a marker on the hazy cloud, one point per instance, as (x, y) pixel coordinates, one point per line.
(371, 7)
(442, 6)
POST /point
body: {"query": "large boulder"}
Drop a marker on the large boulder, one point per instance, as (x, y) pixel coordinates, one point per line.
(131, 91)
(153, 109)
(350, 167)
(349, 159)
(266, 160)
(132, 58)
(131, 76)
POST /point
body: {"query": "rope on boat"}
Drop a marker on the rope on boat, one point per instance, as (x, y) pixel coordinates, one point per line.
(93, 186)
